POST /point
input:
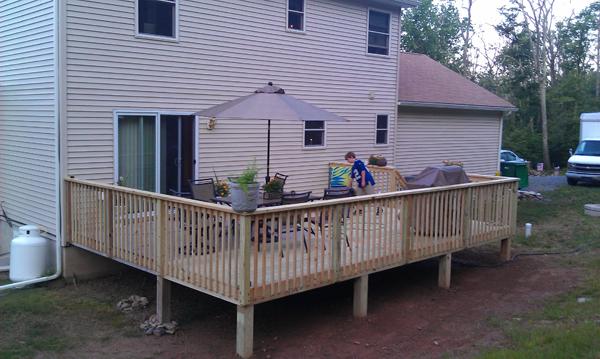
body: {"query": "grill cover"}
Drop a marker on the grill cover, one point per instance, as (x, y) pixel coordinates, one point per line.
(439, 176)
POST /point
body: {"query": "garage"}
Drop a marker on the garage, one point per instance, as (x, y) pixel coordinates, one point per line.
(444, 116)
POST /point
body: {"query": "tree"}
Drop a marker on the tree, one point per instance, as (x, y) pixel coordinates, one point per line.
(467, 40)
(434, 30)
(539, 15)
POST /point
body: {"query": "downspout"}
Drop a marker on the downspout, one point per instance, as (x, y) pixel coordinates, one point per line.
(397, 96)
(58, 73)
(499, 169)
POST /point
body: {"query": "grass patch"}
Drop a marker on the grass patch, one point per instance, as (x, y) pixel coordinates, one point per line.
(579, 341)
(52, 321)
(564, 327)
(559, 221)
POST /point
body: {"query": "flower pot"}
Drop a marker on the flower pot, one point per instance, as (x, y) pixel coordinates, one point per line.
(244, 201)
(377, 160)
(272, 195)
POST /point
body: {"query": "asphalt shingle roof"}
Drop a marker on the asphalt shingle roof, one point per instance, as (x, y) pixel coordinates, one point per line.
(425, 82)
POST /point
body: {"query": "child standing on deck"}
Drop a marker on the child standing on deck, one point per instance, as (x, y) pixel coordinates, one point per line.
(361, 174)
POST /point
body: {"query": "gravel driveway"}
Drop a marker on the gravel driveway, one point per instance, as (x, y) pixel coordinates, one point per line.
(545, 183)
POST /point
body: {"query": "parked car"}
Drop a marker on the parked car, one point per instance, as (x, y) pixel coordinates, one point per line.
(510, 156)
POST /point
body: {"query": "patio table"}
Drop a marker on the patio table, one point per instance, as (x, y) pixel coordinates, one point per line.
(263, 202)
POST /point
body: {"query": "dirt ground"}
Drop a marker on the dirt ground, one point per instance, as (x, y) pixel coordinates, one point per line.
(409, 316)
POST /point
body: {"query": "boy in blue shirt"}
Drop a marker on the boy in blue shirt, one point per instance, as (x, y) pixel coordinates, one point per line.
(361, 174)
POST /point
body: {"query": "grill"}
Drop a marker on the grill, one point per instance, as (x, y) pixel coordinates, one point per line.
(585, 168)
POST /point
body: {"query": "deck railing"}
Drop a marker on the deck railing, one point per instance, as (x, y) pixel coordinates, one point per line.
(248, 258)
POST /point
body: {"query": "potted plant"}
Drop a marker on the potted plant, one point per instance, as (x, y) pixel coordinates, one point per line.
(273, 189)
(221, 186)
(377, 160)
(244, 190)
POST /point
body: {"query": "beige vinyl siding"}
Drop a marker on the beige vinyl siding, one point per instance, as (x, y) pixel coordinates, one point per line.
(426, 137)
(227, 49)
(27, 112)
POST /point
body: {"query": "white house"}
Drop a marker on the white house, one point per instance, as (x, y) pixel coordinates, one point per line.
(106, 90)
(86, 83)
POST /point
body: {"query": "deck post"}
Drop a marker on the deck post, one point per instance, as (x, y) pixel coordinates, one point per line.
(109, 223)
(468, 217)
(245, 331)
(337, 239)
(361, 296)
(505, 246)
(445, 271)
(245, 254)
(163, 300)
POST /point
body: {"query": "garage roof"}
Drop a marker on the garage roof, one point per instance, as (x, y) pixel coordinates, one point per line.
(424, 82)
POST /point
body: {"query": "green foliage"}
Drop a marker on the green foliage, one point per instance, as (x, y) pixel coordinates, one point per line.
(247, 177)
(571, 85)
(274, 186)
(434, 30)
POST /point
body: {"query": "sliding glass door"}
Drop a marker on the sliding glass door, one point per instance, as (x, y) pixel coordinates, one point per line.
(155, 152)
(177, 154)
(137, 152)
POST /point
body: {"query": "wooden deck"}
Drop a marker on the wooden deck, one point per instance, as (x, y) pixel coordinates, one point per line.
(274, 252)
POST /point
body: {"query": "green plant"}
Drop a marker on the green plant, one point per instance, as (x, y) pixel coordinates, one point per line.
(273, 186)
(247, 177)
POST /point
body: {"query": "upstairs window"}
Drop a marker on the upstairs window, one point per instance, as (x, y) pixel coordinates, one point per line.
(295, 15)
(157, 18)
(379, 33)
(381, 132)
(314, 134)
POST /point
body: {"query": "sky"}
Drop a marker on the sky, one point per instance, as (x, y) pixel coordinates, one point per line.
(485, 14)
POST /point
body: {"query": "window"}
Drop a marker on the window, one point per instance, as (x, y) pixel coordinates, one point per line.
(381, 136)
(314, 134)
(295, 15)
(379, 32)
(157, 18)
(137, 151)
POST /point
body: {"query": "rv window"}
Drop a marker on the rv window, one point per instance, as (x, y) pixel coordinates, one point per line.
(588, 148)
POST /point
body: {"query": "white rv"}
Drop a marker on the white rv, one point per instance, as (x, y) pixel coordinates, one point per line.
(584, 164)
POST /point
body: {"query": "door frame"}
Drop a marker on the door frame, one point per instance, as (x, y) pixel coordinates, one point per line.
(157, 115)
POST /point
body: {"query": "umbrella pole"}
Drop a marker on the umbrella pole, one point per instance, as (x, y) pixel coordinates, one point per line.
(268, 178)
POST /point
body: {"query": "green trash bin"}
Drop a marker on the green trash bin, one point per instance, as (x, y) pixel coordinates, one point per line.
(516, 169)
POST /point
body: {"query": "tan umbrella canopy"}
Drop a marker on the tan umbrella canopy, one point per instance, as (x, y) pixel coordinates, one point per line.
(269, 103)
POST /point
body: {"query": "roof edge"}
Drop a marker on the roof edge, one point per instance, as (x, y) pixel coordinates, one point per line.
(400, 3)
(455, 106)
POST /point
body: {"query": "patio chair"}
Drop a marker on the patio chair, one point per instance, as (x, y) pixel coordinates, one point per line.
(281, 178)
(322, 221)
(203, 189)
(338, 192)
(291, 198)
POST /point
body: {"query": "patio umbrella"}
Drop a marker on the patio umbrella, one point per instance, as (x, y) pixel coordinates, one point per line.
(269, 103)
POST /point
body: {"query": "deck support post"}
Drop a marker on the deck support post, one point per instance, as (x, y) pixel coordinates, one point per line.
(163, 300)
(244, 341)
(505, 246)
(445, 271)
(361, 296)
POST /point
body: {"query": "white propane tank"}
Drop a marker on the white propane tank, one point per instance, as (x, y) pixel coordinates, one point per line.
(28, 255)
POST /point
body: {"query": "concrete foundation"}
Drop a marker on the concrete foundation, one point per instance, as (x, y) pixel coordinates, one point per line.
(86, 265)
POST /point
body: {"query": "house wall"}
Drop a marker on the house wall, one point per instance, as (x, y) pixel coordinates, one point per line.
(227, 49)
(426, 137)
(28, 111)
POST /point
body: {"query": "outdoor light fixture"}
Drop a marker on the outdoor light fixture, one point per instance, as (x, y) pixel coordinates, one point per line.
(211, 124)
